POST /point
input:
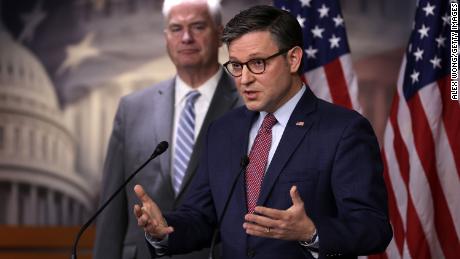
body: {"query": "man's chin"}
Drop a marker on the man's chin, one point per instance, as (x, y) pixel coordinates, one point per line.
(253, 106)
(189, 63)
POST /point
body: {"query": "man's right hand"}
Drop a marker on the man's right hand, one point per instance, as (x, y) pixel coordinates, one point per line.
(149, 216)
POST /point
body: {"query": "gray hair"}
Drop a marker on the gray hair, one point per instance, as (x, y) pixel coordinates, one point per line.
(214, 8)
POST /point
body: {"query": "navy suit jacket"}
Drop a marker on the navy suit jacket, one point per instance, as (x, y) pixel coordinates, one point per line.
(333, 159)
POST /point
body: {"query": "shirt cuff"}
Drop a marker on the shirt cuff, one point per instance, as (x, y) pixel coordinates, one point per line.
(160, 245)
(312, 246)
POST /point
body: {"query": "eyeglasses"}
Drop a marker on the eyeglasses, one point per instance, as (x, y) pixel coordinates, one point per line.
(256, 66)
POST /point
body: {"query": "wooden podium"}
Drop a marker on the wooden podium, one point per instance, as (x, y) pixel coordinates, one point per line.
(44, 242)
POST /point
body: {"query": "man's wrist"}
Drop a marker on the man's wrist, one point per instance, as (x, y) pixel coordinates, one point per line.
(151, 238)
(311, 240)
(160, 245)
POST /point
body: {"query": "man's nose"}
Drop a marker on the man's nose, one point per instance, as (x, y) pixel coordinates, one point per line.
(187, 36)
(246, 76)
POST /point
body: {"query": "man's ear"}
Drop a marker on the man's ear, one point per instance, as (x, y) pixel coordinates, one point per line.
(294, 58)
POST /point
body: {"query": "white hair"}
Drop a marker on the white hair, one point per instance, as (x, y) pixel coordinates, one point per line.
(213, 7)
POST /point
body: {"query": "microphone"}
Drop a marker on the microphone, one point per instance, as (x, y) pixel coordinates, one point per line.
(160, 149)
(243, 164)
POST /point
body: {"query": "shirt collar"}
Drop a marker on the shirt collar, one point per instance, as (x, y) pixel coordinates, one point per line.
(284, 112)
(206, 90)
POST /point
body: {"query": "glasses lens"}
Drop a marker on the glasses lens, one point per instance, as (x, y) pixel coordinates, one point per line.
(234, 68)
(257, 66)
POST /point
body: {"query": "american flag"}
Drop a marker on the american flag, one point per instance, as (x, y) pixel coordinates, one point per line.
(327, 62)
(421, 150)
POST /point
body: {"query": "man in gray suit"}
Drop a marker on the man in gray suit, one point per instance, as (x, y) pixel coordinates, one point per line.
(147, 117)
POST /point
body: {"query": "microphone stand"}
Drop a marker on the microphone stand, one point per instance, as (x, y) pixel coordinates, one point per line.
(161, 147)
(244, 163)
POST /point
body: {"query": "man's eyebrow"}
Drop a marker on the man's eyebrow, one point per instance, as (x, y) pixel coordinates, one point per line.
(199, 22)
(256, 55)
(174, 25)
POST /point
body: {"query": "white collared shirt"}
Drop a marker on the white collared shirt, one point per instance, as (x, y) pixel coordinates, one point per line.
(282, 115)
(202, 103)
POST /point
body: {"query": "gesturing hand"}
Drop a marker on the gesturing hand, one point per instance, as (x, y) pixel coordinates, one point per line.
(290, 224)
(149, 216)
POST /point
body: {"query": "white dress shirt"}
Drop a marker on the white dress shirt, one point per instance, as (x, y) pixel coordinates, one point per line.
(282, 116)
(202, 103)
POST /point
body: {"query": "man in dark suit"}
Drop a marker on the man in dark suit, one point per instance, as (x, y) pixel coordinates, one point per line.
(147, 117)
(313, 186)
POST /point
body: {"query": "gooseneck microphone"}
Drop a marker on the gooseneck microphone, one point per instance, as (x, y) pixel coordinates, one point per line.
(160, 149)
(243, 164)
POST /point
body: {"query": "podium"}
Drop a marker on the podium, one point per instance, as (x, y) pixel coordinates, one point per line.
(27, 242)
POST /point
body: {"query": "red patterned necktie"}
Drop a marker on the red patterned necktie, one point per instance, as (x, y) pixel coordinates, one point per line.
(258, 158)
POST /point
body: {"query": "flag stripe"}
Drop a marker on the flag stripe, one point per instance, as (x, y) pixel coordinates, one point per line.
(351, 79)
(430, 97)
(420, 199)
(315, 79)
(425, 147)
(392, 251)
(423, 191)
(336, 78)
(416, 241)
(395, 216)
(401, 155)
(450, 115)
(418, 245)
(378, 256)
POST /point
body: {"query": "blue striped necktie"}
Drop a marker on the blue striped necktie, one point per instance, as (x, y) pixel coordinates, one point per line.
(185, 139)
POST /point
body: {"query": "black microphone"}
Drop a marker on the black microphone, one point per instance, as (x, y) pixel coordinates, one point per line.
(161, 147)
(243, 164)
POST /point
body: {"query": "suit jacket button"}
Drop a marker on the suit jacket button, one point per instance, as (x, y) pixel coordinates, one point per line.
(251, 253)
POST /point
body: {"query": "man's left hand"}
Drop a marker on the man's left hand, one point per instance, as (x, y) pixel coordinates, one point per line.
(290, 224)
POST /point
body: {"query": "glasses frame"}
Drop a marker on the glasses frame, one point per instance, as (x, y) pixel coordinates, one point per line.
(264, 61)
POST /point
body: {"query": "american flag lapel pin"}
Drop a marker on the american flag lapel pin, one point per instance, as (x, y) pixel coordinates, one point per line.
(299, 123)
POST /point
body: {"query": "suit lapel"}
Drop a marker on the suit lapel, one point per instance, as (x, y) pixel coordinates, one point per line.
(240, 138)
(163, 103)
(298, 125)
(225, 98)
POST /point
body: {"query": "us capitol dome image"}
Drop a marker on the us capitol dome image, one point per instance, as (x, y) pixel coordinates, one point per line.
(38, 181)
(51, 157)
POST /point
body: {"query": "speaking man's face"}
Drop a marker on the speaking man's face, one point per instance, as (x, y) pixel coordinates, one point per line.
(269, 90)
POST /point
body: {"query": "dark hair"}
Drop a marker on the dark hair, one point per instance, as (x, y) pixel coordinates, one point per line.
(283, 27)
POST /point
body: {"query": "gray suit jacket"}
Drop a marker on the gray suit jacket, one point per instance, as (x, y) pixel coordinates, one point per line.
(144, 119)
